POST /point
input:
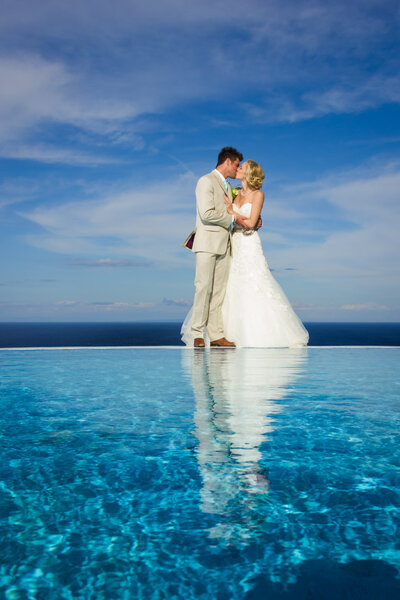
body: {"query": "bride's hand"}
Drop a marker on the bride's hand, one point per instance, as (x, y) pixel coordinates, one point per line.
(228, 204)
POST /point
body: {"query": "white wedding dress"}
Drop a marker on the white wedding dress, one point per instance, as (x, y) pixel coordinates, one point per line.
(256, 311)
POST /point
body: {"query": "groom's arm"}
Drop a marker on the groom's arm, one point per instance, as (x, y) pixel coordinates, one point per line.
(209, 213)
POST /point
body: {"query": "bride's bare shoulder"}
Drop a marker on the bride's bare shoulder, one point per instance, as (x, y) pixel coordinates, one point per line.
(258, 196)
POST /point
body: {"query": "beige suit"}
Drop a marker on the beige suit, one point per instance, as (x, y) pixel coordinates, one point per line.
(212, 248)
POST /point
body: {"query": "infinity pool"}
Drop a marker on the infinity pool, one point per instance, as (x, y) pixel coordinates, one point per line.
(177, 473)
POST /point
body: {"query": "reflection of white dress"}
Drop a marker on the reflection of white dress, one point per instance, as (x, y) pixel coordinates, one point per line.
(256, 311)
(237, 398)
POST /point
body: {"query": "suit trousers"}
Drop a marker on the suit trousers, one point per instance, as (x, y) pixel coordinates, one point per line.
(210, 285)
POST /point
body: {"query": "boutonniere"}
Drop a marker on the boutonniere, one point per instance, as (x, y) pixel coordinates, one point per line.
(235, 191)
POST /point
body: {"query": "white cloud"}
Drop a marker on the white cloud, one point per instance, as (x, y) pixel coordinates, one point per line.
(118, 306)
(109, 262)
(343, 97)
(357, 256)
(306, 60)
(179, 303)
(146, 223)
(309, 307)
(40, 91)
(33, 91)
(51, 154)
(378, 89)
(368, 306)
(77, 306)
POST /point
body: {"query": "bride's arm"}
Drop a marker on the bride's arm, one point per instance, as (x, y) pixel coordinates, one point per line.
(258, 201)
(238, 218)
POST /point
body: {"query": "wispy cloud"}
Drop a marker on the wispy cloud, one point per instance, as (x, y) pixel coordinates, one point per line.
(285, 269)
(140, 222)
(66, 303)
(111, 306)
(109, 262)
(378, 89)
(52, 155)
(156, 56)
(72, 310)
(169, 302)
(348, 262)
(39, 90)
(310, 307)
(362, 307)
(66, 306)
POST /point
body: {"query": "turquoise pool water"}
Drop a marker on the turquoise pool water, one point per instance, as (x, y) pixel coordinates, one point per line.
(175, 473)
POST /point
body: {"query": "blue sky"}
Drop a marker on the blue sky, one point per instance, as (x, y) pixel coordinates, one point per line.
(110, 111)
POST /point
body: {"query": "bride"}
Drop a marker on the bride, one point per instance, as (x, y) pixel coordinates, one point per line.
(256, 311)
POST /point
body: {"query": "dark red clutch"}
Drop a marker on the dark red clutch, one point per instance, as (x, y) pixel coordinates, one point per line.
(188, 243)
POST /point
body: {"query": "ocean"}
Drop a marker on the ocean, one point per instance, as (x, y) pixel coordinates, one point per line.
(28, 335)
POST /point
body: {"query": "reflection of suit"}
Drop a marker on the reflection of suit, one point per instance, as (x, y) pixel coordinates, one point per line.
(211, 246)
(211, 418)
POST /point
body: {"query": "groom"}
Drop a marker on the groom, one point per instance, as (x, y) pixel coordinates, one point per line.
(212, 248)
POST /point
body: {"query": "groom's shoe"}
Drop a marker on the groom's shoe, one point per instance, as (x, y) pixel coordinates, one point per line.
(223, 342)
(198, 343)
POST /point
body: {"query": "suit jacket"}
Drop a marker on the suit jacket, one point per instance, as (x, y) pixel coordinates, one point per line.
(212, 220)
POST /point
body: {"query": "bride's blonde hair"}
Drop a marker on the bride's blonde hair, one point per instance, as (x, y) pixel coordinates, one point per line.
(254, 174)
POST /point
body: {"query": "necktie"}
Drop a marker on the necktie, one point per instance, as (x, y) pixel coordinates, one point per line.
(226, 185)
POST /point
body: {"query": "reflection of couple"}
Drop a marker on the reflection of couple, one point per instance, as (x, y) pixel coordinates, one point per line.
(238, 398)
(236, 297)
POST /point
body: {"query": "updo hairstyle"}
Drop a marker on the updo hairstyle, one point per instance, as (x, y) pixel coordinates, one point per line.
(254, 174)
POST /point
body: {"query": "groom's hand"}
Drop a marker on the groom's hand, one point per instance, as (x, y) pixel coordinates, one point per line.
(241, 220)
(228, 204)
(258, 224)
